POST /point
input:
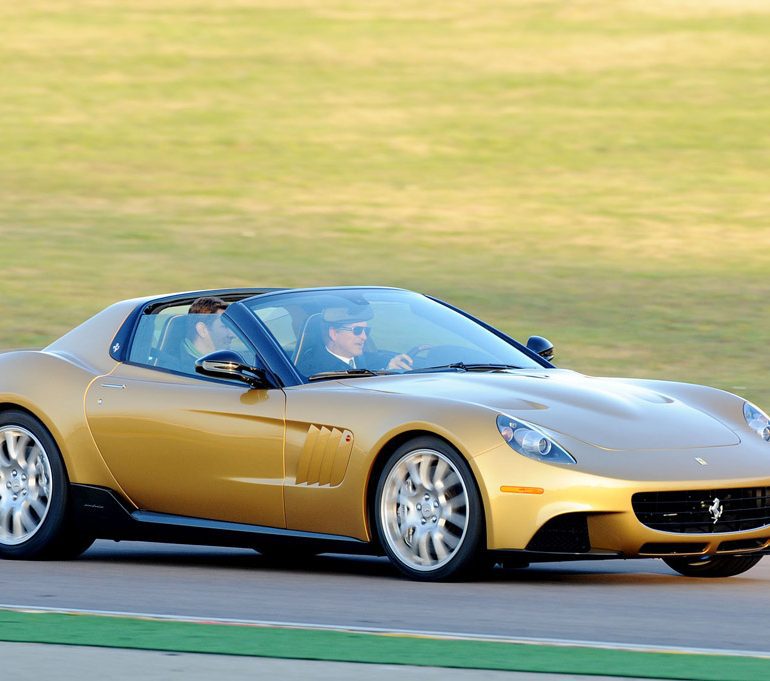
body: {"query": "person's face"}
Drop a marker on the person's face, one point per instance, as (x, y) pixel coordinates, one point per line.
(215, 335)
(221, 335)
(348, 340)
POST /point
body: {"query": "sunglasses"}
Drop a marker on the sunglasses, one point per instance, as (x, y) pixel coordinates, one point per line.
(356, 330)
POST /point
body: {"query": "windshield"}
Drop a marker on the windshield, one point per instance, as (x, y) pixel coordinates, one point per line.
(361, 331)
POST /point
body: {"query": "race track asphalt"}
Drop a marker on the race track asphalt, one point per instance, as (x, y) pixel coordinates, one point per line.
(638, 602)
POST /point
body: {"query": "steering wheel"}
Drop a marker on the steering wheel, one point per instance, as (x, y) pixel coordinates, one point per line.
(418, 349)
(419, 355)
(425, 356)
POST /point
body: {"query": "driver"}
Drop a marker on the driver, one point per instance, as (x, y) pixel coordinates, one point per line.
(344, 332)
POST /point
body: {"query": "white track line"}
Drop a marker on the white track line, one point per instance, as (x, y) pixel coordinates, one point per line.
(447, 635)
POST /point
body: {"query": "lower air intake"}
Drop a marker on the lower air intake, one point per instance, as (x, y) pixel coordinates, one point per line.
(566, 533)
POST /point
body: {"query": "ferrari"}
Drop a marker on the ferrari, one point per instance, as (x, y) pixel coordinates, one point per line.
(366, 420)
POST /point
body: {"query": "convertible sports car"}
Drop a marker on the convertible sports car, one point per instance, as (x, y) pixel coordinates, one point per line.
(371, 420)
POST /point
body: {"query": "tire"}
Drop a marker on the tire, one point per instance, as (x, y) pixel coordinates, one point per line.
(712, 566)
(428, 511)
(33, 490)
(70, 542)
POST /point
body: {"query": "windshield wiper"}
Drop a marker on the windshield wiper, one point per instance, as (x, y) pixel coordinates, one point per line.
(454, 366)
(462, 366)
(349, 373)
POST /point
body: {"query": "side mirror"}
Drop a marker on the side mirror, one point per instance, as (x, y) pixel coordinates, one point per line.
(541, 346)
(229, 364)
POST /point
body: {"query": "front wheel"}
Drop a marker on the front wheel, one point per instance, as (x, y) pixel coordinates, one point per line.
(428, 512)
(712, 566)
(33, 489)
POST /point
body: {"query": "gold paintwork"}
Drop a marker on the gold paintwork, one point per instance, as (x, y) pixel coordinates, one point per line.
(189, 447)
(302, 457)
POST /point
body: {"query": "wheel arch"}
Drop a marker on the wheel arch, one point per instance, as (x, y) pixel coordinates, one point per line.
(6, 406)
(57, 534)
(378, 463)
(81, 459)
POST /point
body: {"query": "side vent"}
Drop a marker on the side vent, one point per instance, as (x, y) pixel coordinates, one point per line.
(325, 457)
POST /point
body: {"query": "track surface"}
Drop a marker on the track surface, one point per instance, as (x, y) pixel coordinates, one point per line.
(631, 602)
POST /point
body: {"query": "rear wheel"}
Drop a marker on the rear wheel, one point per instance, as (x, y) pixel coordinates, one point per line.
(428, 511)
(33, 493)
(712, 566)
(70, 543)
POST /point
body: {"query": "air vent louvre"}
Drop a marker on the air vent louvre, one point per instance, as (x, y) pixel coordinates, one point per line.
(325, 457)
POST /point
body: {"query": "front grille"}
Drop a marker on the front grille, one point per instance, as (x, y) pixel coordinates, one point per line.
(704, 511)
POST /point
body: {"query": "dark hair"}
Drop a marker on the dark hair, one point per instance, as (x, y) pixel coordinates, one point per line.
(205, 305)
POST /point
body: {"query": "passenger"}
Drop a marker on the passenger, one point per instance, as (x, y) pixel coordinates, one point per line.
(206, 332)
(344, 332)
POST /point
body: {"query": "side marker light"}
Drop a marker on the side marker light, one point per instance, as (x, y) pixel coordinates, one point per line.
(522, 490)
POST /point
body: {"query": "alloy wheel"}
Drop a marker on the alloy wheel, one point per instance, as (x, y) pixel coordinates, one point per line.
(424, 510)
(25, 485)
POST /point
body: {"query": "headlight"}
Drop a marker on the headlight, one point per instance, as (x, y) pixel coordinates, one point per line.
(529, 440)
(758, 421)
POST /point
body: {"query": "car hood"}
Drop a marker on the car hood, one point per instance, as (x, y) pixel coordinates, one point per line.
(609, 413)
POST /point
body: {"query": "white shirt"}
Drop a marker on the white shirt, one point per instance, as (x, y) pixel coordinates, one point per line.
(345, 360)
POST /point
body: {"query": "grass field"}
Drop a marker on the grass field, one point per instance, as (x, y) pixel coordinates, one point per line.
(596, 172)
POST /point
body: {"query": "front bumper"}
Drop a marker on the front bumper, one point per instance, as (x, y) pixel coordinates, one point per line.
(584, 514)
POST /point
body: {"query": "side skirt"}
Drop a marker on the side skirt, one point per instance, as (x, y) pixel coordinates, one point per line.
(102, 513)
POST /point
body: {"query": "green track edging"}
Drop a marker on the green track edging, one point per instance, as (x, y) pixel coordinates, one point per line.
(341, 646)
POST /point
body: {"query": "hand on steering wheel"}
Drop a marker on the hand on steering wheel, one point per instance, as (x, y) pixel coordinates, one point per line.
(405, 361)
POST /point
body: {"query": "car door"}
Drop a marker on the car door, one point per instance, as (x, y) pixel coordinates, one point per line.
(189, 446)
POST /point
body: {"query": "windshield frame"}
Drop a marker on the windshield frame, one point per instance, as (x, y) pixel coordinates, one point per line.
(290, 374)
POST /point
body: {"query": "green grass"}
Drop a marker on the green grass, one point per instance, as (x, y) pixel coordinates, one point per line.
(594, 172)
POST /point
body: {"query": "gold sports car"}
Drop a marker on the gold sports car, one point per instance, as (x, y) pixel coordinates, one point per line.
(369, 420)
